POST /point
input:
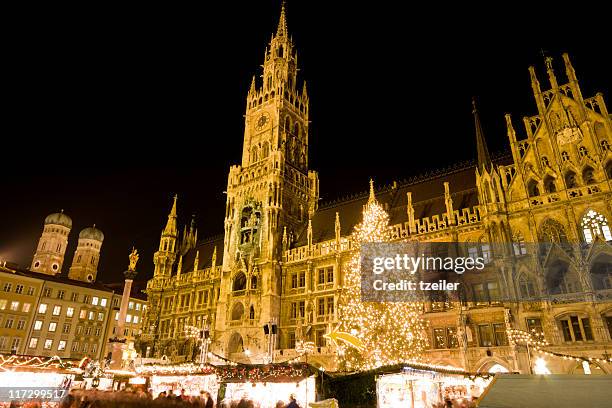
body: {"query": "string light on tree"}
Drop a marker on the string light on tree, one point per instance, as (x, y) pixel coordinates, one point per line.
(390, 332)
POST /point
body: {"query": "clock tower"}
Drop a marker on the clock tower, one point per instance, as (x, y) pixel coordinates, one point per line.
(270, 198)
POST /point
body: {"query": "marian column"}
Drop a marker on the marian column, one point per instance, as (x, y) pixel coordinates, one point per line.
(119, 340)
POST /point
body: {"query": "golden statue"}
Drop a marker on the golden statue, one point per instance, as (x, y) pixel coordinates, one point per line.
(133, 260)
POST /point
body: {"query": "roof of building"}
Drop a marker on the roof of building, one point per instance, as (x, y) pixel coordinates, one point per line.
(62, 279)
(91, 233)
(59, 219)
(204, 249)
(427, 200)
(560, 390)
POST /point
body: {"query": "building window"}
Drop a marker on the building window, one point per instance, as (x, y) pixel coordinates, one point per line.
(19, 289)
(47, 292)
(576, 328)
(499, 330)
(100, 316)
(83, 314)
(128, 318)
(14, 306)
(57, 310)
(66, 328)
(139, 304)
(26, 307)
(86, 299)
(94, 347)
(74, 297)
(92, 315)
(38, 324)
(30, 291)
(534, 325)
(20, 324)
(320, 338)
(61, 345)
(8, 324)
(61, 294)
(2, 342)
(69, 311)
(485, 293)
(42, 308)
(15, 344)
(291, 340)
(98, 330)
(88, 331)
(485, 335)
(79, 330)
(115, 302)
(33, 342)
(103, 302)
(239, 282)
(439, 337)
(94, 300)
(75, 346)
(445, 337)
(526, 287)
(7, 287)
(85, 347)
(52, 327)
(595, 225)
(48, 344)
(3, 303)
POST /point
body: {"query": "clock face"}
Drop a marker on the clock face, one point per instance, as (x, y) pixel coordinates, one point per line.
(262, 121)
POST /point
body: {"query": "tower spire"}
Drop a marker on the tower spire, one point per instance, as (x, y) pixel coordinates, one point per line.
(372, 195)
(481, 144)
(281, 31)
(171, 224)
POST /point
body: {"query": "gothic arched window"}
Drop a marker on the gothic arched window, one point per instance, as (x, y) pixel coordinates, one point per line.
(265, 150)
(583, 151)
(239, 282)
(519, 245)
(549, 184)
(545, 161)
(532, 188)
(588, 175)
(527, 288)
(552, 231)
(251, 313)
(253, 282)
(237, 311)
(254, 154)
(570, 179)
(594, 225)
(564, 156)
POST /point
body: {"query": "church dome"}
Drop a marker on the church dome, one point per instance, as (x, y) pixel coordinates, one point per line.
(92, 233)
(59, 219)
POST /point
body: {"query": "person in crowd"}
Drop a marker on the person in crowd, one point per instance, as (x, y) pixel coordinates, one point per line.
(209, 401)
(292, 402)
(184, 397)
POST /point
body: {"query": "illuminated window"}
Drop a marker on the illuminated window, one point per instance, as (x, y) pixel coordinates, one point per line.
(92, 315)
(131, 305)
(136, 319)
(69, 311)
(52, 327)
(14, 306)
(83, 314)
(61, 345)
(38, 324)
(576, 328)
(128, 318)
(534, 325)
(57, 310)
(103, 302)
(138, 305)
(94, 300)
(595, 225)
(3, 303)
(33, 342)
(26, 307)
(100, 316)
(42, 308)
(48, 344)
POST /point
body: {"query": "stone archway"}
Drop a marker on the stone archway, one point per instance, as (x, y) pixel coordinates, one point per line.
(492, 365)
(235, 344)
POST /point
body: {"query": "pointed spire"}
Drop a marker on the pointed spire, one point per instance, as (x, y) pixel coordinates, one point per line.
(179, 268)
(372, 195)
(448, 202)
(281, 31)
(309, 233)
(171, 224)
(214, 257)
(304, 92)
(484, 159)
(252, 89)
(410, 211)
(196, 261)
(337, 227)
(551, 73)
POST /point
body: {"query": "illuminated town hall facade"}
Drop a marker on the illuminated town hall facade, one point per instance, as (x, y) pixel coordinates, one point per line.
(282, 257)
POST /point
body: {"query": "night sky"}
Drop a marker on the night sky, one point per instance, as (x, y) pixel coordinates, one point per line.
(108, 113)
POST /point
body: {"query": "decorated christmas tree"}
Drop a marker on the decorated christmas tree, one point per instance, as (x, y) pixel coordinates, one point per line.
(388, 332)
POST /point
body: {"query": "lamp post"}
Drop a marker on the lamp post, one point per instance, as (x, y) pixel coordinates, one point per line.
(271, 329)
(529, 340)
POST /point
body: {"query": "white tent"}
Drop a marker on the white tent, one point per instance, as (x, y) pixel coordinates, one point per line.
(545, 391)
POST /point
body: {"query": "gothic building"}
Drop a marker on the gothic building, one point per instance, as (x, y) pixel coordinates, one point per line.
(282, 258)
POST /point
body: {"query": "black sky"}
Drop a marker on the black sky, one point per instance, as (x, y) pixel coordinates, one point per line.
(108, 113)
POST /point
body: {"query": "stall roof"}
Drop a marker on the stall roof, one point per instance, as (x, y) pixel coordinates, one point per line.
(557, 390)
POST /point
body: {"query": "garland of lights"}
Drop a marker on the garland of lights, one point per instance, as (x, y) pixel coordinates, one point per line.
(391, 332)
(15, 361)
(537, 341)
(266, 373)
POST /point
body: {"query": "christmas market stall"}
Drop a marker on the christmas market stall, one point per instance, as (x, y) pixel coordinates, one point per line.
(192, 378)
(411, 385)
(267, 384)
(51, 374)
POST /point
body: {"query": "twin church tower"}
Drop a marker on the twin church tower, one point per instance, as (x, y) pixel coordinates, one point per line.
(51, 249)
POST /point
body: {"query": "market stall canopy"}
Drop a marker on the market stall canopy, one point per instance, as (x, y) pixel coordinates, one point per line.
(543, 391)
